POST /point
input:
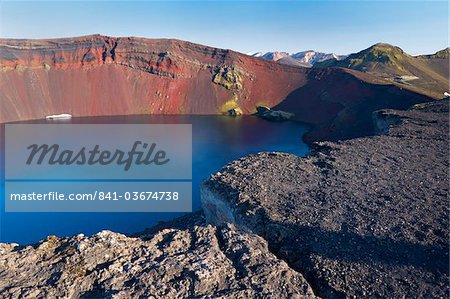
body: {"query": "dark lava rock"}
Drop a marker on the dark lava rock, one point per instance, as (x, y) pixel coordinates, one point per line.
(187, 259)
(273, 115)
(234, 112)
(366, 217)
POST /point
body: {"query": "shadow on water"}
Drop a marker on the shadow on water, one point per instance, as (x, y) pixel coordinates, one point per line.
(217, 140)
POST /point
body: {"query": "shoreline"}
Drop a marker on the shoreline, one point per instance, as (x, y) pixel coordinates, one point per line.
(106, 119)
(313, 147)
(350, 219)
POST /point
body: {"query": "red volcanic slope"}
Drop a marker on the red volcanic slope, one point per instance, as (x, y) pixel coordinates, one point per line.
(99, 75)
(339, 103)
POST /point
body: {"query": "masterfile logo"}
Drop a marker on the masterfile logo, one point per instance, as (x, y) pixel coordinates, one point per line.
(98, 168)
(81, 151)
(140, 153)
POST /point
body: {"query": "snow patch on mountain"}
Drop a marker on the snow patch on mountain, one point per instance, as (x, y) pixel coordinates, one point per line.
(305, 58)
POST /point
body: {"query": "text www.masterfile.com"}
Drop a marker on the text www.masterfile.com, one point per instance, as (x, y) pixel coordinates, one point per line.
(96, 195)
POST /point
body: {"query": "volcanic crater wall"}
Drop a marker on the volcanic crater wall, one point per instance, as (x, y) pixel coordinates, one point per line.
(100, 75)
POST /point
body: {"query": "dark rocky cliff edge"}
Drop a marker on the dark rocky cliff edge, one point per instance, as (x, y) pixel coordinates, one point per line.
(364, 218)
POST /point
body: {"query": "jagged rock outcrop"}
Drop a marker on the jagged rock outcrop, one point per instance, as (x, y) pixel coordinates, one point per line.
(228, 77)
(234, 112)
(194, 260)
(363, 218)
(273, 115)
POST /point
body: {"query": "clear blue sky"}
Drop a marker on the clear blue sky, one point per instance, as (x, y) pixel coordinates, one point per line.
(246, 26)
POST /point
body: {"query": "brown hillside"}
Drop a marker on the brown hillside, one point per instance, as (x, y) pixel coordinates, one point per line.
(426, 74)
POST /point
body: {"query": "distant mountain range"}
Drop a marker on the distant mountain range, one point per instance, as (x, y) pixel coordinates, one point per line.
(426, 74)
(305, 58)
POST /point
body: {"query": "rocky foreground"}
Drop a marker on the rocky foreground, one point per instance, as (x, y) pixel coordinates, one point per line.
(195, 260)
(365, 217)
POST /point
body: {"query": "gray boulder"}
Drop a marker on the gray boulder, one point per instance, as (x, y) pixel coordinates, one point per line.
(273, 115)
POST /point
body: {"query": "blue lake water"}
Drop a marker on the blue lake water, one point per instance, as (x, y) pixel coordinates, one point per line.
(217, 140)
